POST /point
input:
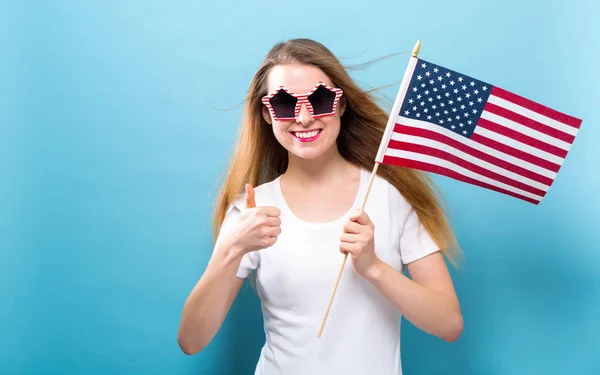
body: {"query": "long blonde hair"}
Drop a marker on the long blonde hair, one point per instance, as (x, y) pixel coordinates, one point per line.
(259, 158)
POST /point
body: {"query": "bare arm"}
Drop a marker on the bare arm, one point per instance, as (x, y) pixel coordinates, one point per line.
(210, 300)
(427, 299)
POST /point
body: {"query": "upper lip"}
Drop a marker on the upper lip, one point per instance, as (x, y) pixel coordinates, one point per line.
(305, 130)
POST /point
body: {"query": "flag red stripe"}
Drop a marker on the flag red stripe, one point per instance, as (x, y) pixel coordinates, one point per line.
(528, 140)
(444, 155)
(515, 152)
(526, 121)
(450, 173)
(425, 133)
(536, 107)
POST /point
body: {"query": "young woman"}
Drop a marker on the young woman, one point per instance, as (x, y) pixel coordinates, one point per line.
(306, 150)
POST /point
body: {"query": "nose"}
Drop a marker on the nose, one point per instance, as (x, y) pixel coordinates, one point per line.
(304, 115)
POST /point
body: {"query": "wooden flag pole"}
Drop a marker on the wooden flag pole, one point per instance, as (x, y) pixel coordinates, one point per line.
(415, 52)
(337, 281)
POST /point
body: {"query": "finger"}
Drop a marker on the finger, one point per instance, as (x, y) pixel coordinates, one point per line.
(273, 221)
(346, 247)
(271, 211)
(360, 217)
(349, 238)
(272, 231)
(352, 227)
(270, 241)
(250, 202)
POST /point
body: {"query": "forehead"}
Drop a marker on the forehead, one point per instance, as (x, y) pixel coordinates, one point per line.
(297, 78)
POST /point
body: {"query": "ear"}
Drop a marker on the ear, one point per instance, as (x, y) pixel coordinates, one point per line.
(266, 115)
(342, 105)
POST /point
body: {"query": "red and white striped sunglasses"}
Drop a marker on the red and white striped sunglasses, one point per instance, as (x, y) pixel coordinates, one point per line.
(285, 105)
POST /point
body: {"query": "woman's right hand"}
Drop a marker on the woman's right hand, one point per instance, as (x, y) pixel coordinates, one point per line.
(257, 227)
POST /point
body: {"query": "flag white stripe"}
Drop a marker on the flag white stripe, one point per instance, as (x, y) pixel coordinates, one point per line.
(533, 115)
(478, 146)
(518, 145)
(389, 128)
(525, 130)
(469, 158)
(460, 170)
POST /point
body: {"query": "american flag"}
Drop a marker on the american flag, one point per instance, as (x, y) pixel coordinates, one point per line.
(451, 124)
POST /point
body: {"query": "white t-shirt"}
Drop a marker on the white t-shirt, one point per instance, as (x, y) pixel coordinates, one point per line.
(296, 276)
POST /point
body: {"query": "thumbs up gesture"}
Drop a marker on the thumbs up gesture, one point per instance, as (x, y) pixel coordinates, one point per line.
(258, 227)
(250, 202)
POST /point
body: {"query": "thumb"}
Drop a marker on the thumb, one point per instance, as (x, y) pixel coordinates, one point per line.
(250, 203)
(360, 217)
(355, 215)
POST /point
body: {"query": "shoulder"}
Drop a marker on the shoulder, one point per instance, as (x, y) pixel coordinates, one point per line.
(385, 192)
(414, 240)
(264, 194)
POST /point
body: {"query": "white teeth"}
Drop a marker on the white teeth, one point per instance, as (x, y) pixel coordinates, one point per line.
(306, 134)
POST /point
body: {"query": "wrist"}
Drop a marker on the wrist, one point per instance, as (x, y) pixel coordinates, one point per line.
(230, 250)
(375, 271)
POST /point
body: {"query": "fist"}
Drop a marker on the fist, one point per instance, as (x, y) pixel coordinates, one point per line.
(357, 240)
(258, 227)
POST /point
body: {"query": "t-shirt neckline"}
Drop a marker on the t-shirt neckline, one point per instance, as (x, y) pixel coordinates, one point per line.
(355, 205)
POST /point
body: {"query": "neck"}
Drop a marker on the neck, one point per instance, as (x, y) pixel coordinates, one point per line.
(328, 167)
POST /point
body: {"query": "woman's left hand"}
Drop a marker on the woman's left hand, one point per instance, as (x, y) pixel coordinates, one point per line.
(358, 240)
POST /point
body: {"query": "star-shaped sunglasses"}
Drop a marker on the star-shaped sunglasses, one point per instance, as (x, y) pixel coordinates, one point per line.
(285, 105)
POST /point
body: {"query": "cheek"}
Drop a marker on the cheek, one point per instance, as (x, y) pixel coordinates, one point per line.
(332, 124)
(279, 127)
(280, 131)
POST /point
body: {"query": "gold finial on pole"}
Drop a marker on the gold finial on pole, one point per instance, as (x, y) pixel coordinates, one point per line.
(415, 51)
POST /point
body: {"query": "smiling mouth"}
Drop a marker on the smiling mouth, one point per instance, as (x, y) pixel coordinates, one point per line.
(307, 134)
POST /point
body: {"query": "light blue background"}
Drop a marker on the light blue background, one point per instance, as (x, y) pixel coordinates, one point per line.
(110, 149)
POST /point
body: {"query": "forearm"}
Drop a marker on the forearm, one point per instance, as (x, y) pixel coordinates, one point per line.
(208, 303)
(432, 311)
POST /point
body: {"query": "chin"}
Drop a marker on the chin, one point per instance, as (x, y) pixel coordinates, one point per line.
(312, 153)
(307, 155)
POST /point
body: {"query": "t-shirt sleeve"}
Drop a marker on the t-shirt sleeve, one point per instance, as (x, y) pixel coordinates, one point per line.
(415, 240)
(251, 260)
